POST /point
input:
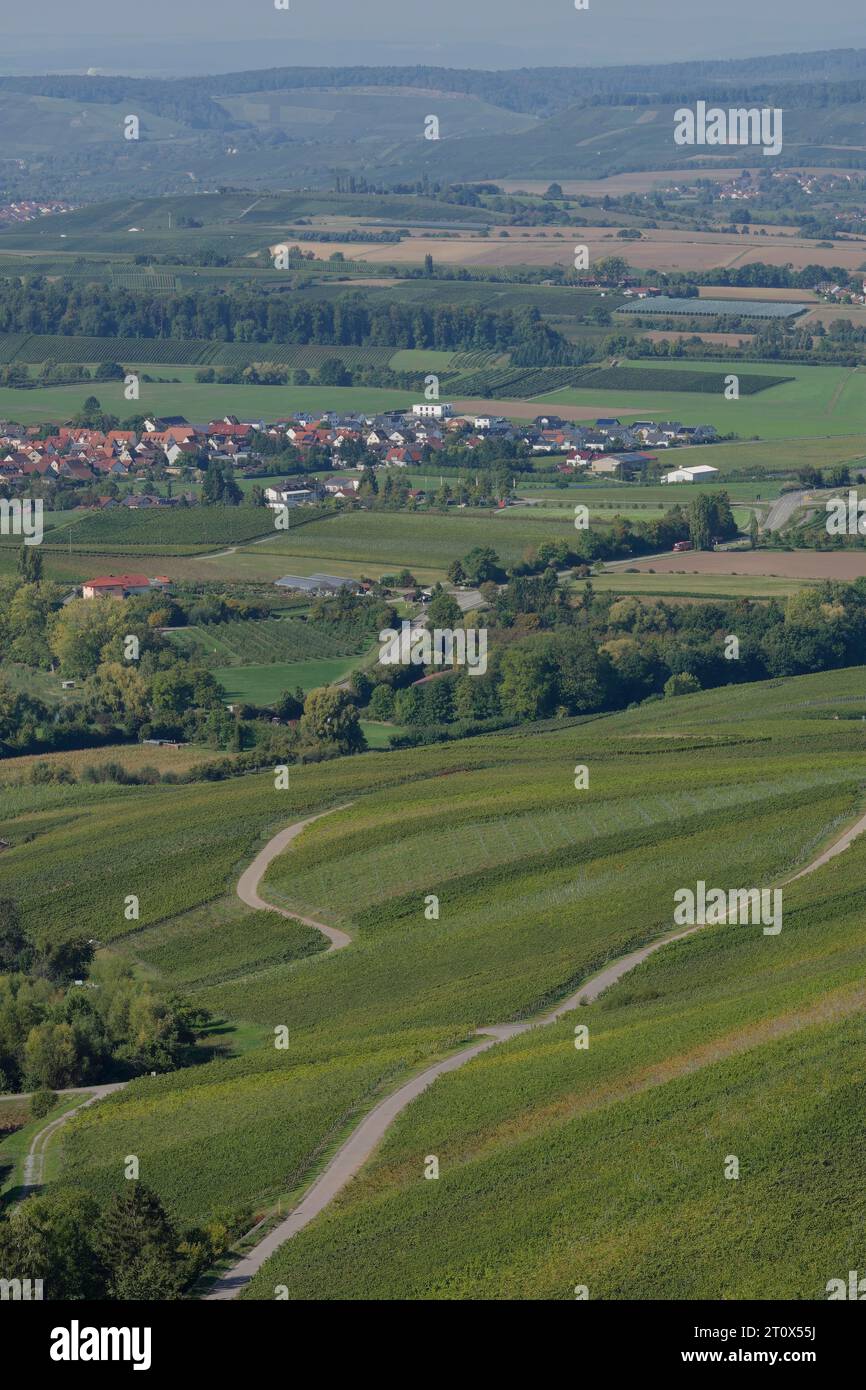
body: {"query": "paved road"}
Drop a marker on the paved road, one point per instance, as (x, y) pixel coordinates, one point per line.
(249, 880)
(366, 1137)
(782, 510)
(837, 847)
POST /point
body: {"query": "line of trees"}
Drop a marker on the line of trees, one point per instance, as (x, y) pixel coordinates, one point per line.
(247, 315)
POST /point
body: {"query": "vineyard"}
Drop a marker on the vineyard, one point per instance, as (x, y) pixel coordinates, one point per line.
(267, 641)
(182, 352)
(535, 892)
(10, 346)
(671, 379)
(290, 355)
(477, 361)
(519, 383)
(149, 278)
(180, 529)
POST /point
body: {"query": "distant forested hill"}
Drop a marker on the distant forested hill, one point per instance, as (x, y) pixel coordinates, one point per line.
(292, 127)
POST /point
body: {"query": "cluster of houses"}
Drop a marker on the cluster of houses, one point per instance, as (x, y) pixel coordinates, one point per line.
(610, 449)
(80, 455)
(841, 294)
(345, 443)
(28, 209)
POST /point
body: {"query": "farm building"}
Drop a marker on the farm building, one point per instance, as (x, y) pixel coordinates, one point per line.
(316, 583)
(122, 585)
(286, 496)
(701, 473)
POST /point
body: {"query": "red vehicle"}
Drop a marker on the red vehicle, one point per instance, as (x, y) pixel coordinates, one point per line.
(682, 545)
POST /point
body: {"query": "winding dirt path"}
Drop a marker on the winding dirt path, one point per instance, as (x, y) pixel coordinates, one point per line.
(34, 1163)
(368, 1134)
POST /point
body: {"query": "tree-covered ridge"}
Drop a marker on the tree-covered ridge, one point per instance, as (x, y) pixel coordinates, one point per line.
(834, 77)
(243, 315)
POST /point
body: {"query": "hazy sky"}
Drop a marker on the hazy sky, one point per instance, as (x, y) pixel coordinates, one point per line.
(175, 36)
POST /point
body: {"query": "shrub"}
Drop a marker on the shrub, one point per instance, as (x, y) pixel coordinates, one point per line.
(41, 1102)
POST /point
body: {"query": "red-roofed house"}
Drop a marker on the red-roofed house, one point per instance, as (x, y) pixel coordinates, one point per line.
(121, 585)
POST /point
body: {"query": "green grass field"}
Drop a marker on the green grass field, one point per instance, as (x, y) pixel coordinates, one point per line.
(262, 685)
(14, 1147)
(197, 403)
(696, 586)
(151, 531)
(783, 456)
(379, 542)
(819, 401)
(610, 496)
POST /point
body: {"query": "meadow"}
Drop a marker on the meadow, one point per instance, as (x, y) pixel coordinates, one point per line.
(683, 584)
(784, 456)
(132, 756)
(612, 496)
(263, 685)
(379, 542)
(819, 401)
(198, 403)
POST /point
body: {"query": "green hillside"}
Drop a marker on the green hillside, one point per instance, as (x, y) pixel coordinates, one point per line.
(538, 885)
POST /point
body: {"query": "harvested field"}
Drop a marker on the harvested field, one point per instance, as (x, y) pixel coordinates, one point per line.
(661, 249)
(827, 313)
(756, 292)
(784, 564)
(639, 182)
(527, 410)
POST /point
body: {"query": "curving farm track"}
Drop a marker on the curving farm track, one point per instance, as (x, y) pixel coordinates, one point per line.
(370, 1131)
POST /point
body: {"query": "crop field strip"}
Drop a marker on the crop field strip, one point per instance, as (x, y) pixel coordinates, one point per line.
(702, 308)
(671, 379)
(36, 348)
(146, 530)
